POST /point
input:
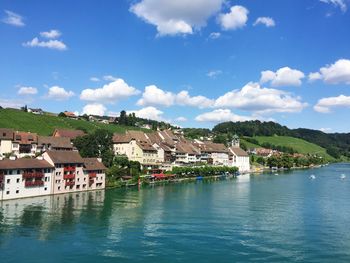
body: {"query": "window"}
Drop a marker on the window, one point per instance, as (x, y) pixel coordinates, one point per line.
(17, 191)
(78, 186)
(59, 188)
(7, 192)
(8, 181)
(45, 188)
(18, 171)
(17, 180)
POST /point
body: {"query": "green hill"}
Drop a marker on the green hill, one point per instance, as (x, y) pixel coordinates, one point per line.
(299, 145)
(46, 124)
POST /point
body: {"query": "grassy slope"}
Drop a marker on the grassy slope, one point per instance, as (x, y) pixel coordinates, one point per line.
(299, 145)
(249, 144)
(45, 124)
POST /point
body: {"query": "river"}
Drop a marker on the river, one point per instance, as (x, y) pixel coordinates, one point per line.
(268, 218)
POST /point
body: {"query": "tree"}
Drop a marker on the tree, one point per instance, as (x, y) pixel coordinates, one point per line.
(123, 118)
(62, 115)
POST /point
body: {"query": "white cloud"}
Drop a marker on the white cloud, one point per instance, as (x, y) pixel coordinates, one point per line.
(10, 103)
(51, 34)
(176, 17)
(326, 130)
(13, 19)
(214, 73)
(336, 73)
(156, 96)
(27, 91)
(337, 3)
(267, 21)
(215, 35)
(221, 115)
(252, 97)
(58, 93)
(181, 119)
(314, 76)
(94, 109)
(52, 44)
(109, 78)
(94, 79)
(110, 92)
(282, 77)
(148, 113)
(184, 99)
(324, 105)
(236, 18)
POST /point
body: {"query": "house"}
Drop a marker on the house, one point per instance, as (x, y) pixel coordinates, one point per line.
(6, 138)
(213, 153)
(36, 111)
(70, 115)
(137, 146)
(49, 143)
(21, 178)
(239, 158)
(95, 172)
(24, 144)
(187, 153)
(71, 134)
(69, 173)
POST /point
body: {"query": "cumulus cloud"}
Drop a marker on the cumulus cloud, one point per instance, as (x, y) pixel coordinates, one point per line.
(252, 97)
(181, 119)
(94, 109)
(110, 93)
(59, 93)
(54, 33)
(27, 91)
(215, 35)
(214, 73)
(337, 3)
(13, 19)
(156, 96)
(282, 77)
(149, 113)
(51, 44)
(336, 73)
(176, 17)
(94, 79)
(221, 115)
(267, 21)
(236, 18)
(326, 104)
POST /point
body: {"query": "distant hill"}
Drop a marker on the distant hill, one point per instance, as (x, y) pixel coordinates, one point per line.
(336, 144)
(298, 145)
(46, 124)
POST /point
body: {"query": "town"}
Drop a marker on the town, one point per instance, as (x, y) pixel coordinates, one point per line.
(34, 165)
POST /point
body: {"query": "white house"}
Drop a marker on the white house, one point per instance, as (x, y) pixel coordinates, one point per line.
(21, 178)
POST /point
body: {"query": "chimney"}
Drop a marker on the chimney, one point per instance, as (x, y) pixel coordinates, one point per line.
(99, 159)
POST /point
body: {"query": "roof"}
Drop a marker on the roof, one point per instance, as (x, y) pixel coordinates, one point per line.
(186, 147)
(25, 137)
(213, 147)
(6, 134)
(69, 114)
(24, 163)
(72, 134)
(238, 151)
(55, 142)
(93, 164)
(63, 157)
(121, 138)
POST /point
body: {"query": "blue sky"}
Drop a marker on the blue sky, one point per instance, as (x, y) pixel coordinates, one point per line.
(193, 63)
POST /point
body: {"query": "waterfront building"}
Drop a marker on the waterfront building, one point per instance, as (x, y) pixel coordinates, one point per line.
(24, 177)
(94, 170)
(213, 153)
(239, 158)
(24, 144)
(50, 143)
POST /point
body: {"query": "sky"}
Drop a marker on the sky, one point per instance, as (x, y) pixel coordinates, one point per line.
(191, 63)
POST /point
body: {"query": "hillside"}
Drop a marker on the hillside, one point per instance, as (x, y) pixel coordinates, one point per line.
(336, 144)
(299, 145)
(46, 124)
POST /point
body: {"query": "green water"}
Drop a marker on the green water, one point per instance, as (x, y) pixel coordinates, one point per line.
(267, 218)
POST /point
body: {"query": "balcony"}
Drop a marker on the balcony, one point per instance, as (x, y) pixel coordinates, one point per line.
(33, 183)
(69, 176)
(69, 168)
(92, 175)
(33, 175)
(70, 183)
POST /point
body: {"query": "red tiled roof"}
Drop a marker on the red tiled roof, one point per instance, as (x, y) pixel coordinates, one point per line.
(64, 157)
(72, 134)
(93, 164)
(24, 163)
